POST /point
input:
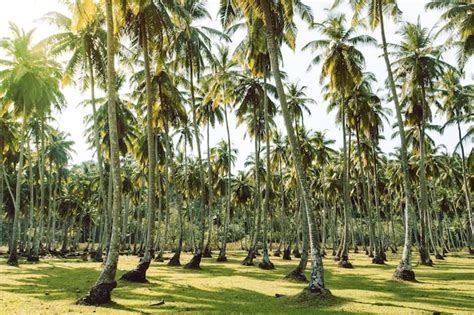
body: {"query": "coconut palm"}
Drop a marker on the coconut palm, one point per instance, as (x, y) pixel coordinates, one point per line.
(30, 81)
(342, 65)
(456, 103)
(191, 45)
(459, 17)
(100, 293)
(417, 66)
(376, 11)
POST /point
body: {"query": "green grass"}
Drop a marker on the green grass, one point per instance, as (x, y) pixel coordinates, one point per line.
(53, 285)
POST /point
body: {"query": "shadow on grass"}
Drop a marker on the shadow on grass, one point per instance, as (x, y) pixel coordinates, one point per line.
(49, 282)
(60, 283)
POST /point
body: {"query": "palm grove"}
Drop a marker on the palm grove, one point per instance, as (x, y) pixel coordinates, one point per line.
(155, 184)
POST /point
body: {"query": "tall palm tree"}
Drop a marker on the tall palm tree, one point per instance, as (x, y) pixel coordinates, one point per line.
(219, 91)
(418, 65)
(279, 25)
(376, 11)
(83, 37)
(147, 22)
(342, 65)
(456, 103)
(8, 138)
(101, 292)
(190, 46)
(31, 82)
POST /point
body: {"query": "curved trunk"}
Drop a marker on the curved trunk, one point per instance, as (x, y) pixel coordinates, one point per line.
(404, 270)
(13, 259)
(266, 263)
(424, 251)
(196, 260)
(344, 262)
(465, 188)
(207, 250)
(100, 293)
(101, 200)
(139, 273)
(367, 198)
(316, 284)
(222, 254)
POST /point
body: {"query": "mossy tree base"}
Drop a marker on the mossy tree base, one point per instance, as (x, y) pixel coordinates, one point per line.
(248, 260)
(194, 263)
(266, 265)
(174, 261)
(402, 274)
(99, 294)
(286, 254)
(378, 260)
(345, 264)
(207, 252)
(296, 275)
(138, 274)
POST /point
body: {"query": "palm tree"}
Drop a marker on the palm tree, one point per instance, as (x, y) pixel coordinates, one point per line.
(146, 22)
(219, 91)
(35, 90)
(459, 17)
(342, 64)
(417, 65)
(83, 37)
(191, 45)
(8, 138)
(456, 103)
(376, 11)
(100, 293)
(273, 13)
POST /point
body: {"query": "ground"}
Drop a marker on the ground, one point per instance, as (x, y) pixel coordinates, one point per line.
(53, 285)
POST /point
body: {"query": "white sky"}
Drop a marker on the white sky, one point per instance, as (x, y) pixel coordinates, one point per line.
(26, 13)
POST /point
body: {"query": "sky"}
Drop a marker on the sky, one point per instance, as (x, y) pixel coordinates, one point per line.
(27, 14)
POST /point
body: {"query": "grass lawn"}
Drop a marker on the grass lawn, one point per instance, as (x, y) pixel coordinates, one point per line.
(53, 285)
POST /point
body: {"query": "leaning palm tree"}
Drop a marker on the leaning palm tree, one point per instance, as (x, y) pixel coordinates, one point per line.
(190, 46)
(220, 85)
(278, 18)
(456, 102)
(146, 22)
(418, 64)
(376, 11)
(8, 138)
(31, 82)
(101, 292)
(84, 38)
(342, 65)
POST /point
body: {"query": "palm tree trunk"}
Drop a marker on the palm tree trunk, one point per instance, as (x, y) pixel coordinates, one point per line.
(404, 269)
(222, 255)
(210, 201)
(367, 200)
(248, 260)
(316, 283)
(139, 273)
(100, 293)
(424, 251)
(465, 188)
(196, 260)
(101, 200)
(174, 261)
(344, 262)
(266, 263)
(13, 259)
